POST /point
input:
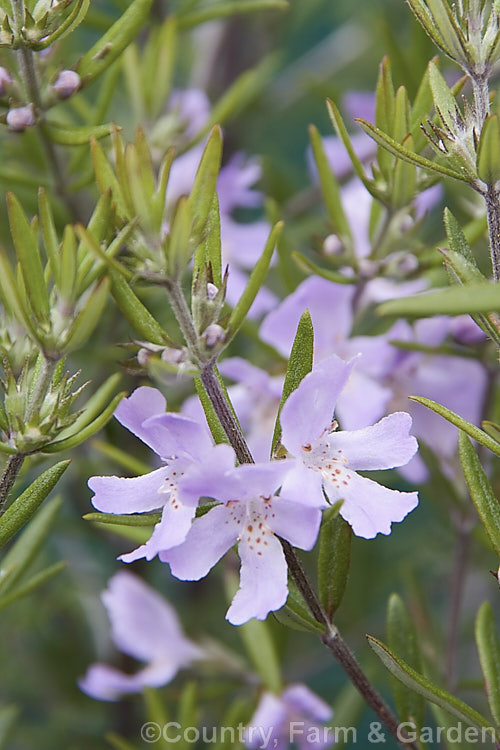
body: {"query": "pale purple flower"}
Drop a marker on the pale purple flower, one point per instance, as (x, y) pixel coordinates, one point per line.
(5, 80)
(183, 445)
(297, 715)
(145, 626)
(328, 460)
(192, 109)
(365, 399)
(252, 516)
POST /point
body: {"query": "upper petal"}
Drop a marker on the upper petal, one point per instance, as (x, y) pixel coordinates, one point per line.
(133, 411)
(129, 495)
(263, 581)
(382, 446)
(177, 435)
(308, 411)
(297, 523)
(302, 700)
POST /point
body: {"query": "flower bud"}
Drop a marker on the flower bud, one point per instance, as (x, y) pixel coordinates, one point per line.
(66, 84)
(212, 291)
(20, 118)
(213, 334)
(5, 80)
(332, 245)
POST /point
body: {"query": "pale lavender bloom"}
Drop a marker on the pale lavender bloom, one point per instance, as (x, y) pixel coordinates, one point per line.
(466, 331)
(328, 460)
(192, 108)
(252, 516)
(5, 80)
(255, 396)
(235, 184)
(365, 399)
(145, 626)
(183, 445)
(458, 383)
(297, 715)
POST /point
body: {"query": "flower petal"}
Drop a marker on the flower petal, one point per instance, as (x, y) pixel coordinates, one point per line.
(296, 522)
(106, 683)
(369, 507)
(171, 531)
(205, 478)
(308, 411)
(268, 723)
(129, 495)
(208, 540)
(384, 445)
(177, 435)
(143, 624)
(300, 699)
(263, 582)
(133, 411)
(304, 486)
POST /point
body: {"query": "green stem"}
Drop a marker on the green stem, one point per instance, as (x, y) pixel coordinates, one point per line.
(184, 319)
(12, 469)
(331, 638)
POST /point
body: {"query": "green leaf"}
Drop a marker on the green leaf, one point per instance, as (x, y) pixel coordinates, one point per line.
(33, 583)
(203, 190)
(400, 151)
(106, 180)
(475, 432)
(14, 301)
(93, 407)
(308, 266)
(254, 283)
(402, 639)
(75, 135)
(49, 233)
(329, 186)
(488, 151)
(68, 263)
(456, 238)
(225, 9)
(260, 647)
(209, 250)
(88, 318)
(8, 717)
(22, 509)
(29, 258)
(384, 112)
(136, 313)
(179, 248)
(132, 519)
(470, 298)
(299, 364)
(480, 490)
(114, 41)
(333, 560)
(421, 685)
(444, 101)
(87, 432)
(488, 646)
(72, 20)
(121, 457)
(217, 430)
(26, 547)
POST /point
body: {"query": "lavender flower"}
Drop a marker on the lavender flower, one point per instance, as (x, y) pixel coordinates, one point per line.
(328, 460)
(297, 715)
(183, 445)
(145, 626)
(251, 516)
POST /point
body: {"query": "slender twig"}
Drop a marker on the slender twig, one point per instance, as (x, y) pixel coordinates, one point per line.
(183, 316)
(331, 638)
(30, 78)
(491, 197)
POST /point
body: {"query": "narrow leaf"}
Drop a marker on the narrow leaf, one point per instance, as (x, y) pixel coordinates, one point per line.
(480, 490)
(22, 509)
(136, 313)
(333, 560)
(470, 298)
(488, 646)
(421, 685)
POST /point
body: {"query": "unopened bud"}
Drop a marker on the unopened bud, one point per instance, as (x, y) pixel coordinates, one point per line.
(212, 291)
(66, 84)
(5, 79)
(332, 245)
(213, 334)
(21, 118)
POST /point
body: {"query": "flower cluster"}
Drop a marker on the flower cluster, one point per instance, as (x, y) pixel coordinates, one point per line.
(258, 504)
